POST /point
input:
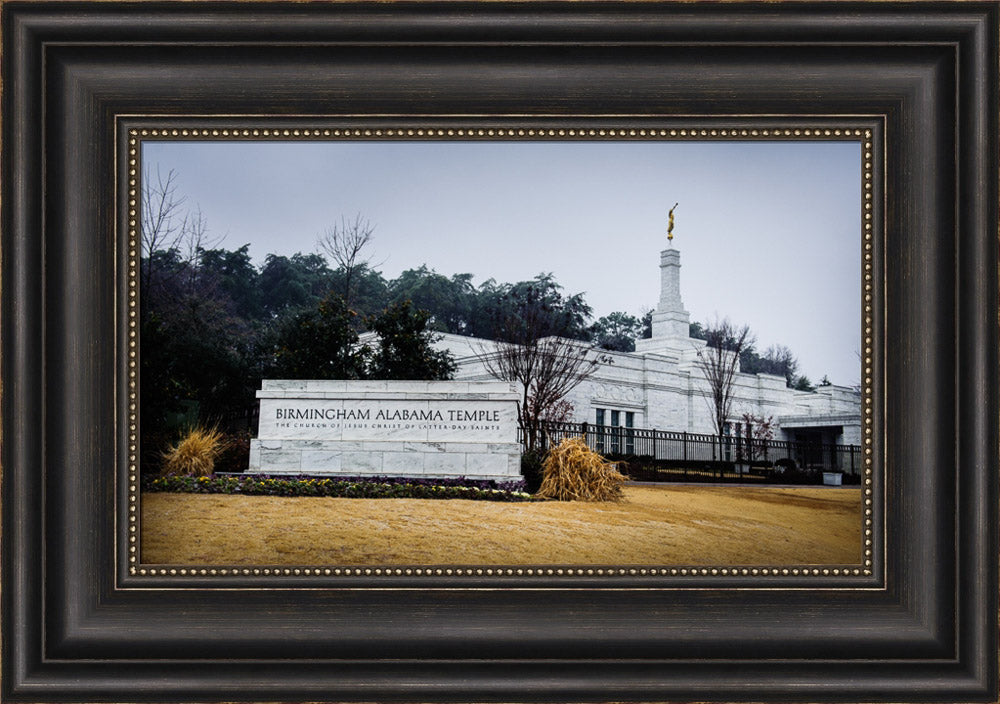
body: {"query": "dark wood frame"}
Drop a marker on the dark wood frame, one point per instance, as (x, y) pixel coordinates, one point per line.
(865, 567)
(76, 626)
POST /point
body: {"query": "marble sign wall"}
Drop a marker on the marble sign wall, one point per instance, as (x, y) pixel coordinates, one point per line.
(387, 428)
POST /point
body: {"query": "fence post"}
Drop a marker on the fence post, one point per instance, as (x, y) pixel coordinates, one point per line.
(721, 456)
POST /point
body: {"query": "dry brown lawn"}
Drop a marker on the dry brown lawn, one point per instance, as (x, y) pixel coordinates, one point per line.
(661, 525)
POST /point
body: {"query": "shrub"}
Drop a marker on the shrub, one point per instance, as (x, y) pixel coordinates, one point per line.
(195, 454)
(785, 464)
(787, 471)
(574, 472)
(153, 448)
(235, 455)
(531, 470)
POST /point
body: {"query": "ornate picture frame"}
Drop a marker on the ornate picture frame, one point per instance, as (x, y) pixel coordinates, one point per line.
(80, 619)
(859, 543)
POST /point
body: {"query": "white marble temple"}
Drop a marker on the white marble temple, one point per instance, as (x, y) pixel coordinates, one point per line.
(662, 386)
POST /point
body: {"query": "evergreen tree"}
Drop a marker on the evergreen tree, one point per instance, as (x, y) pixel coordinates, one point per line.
(777, 360)
(535, 309)
(370, 290)
(289, 285)
(802, 383)
(320, 343)
(236, 278)
(617, 331)
(406, 347)
(647, 325)
(449, 302)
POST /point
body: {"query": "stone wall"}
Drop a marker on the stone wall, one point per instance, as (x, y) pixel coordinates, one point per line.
(427, 429)
(666, 389)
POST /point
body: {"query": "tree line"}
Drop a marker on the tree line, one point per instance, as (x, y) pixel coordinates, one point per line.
(214, 323)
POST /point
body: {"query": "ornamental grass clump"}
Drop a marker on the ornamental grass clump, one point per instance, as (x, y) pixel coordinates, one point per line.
(194, 454)
(574, 472)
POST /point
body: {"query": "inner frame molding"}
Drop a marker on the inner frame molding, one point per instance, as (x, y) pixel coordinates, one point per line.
(134, 130)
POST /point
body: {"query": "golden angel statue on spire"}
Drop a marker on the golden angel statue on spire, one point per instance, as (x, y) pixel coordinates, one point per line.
(670, 224)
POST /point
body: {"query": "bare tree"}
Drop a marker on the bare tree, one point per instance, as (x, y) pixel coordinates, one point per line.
(546, 370)
(194, 235)
(194, 239)
(759, 432)
(718, 361)
(343, 243)
(530, 352)
(166, 226)
(781, 361)
(160, 218)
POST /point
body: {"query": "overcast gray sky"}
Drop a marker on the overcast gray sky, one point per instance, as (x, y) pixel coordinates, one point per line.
(769, 232)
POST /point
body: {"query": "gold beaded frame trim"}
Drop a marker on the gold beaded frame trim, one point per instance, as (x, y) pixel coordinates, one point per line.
(872, 197)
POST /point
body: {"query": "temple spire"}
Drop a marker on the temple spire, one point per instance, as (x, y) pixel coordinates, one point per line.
(671, 322)
(670, 319)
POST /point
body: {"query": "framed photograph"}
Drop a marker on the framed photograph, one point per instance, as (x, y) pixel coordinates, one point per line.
(273, 275)
(300, 362)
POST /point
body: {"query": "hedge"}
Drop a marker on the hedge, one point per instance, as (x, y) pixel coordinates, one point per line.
(346, 487)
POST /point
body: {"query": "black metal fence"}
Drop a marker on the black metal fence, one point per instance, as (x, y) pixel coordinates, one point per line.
(693, 449)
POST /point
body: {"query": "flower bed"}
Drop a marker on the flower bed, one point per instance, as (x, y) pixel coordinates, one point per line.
(344, 487)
